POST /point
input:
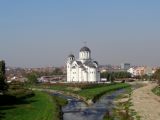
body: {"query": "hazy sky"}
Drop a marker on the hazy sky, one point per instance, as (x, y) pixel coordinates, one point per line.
(37, 33)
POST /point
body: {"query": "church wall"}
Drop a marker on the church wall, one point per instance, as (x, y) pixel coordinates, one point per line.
(73, 77)
(68, 72)
(80, 74)
(85, 77)
(91, 74)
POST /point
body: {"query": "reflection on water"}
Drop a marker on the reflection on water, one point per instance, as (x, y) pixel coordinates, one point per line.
(78, 110)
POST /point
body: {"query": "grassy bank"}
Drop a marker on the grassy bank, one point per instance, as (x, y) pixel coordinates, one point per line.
(96, 92)
(60, 102)
(88, 91)
(156, 90)
(40, 107)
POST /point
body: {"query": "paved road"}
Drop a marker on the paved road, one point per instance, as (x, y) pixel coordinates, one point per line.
(146, 104)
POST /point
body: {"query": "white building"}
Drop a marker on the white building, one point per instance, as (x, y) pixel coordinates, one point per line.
(140, 70)
(84, 69)
(132, 71)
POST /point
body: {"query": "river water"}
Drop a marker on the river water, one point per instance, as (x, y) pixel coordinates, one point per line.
(78, 110)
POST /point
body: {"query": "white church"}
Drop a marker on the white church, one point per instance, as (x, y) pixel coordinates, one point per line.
(84, 69)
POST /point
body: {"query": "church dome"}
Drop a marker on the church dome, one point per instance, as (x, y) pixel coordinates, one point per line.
(95, 62)
(85, 49)
(71, 56)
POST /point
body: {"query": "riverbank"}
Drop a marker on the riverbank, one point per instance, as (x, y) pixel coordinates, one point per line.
(78, 110)
(42, 106)
(146, 103)
(94, 94)
(87, 93)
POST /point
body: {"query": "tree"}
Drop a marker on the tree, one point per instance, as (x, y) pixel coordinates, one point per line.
(32, 78)
(112, 77)
(157, 76)
(104, 75)
(122, 75)
(57, 71)
(3, 84)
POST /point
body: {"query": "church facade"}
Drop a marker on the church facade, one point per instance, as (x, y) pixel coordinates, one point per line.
(83, 69)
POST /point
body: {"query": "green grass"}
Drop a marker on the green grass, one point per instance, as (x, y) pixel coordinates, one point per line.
(95, 93)
(68, 87)
(156, 90)
(52, 86)
(59, 87)
(60, 101)
(40, 107)
(89, 91)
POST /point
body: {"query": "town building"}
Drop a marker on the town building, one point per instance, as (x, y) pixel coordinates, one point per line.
(125, 66)
(140, 71)
(83, 69)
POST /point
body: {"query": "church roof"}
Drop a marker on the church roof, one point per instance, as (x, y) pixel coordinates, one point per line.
(85, 49)
(79, 63)
(90, 64)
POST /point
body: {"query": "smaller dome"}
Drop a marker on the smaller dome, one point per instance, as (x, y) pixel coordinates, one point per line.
(85, 49)
(71, 56)
(95, 62)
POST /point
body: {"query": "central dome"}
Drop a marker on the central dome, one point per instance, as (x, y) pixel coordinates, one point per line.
(71, 55)
(85, 49)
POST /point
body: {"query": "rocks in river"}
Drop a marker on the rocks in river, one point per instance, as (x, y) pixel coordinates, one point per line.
(74, 88)
(123, 100)
(89, 102)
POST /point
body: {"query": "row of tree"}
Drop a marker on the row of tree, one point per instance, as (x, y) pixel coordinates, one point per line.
(33, 76)
(56, 71)
(110, 76)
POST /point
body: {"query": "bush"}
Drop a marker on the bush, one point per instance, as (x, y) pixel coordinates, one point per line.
(20, 93)
(15, 93)
(18, 90)
(156, 90)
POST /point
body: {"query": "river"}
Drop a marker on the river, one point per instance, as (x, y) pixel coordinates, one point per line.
(78, 110)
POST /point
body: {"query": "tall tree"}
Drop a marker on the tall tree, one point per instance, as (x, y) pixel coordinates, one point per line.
(157, 76)
(3, 85)
(111, 77)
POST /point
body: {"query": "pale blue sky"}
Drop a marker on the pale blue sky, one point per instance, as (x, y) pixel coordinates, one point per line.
(36, 33)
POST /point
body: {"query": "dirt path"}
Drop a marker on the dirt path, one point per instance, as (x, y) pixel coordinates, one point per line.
(146, 104)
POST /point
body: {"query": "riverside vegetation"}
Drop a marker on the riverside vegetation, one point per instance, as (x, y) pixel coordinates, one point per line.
(156, 90)
(88, 91)
(156, 76)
